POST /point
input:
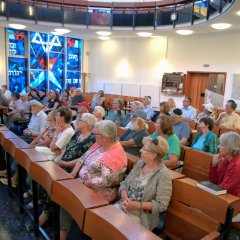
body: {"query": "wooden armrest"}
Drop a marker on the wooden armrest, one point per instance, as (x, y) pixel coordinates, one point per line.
(211, 236)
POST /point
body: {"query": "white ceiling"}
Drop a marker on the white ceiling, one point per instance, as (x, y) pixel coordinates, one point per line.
(229, 16)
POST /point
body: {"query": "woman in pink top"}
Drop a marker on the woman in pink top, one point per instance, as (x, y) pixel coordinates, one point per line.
(225, 167)
(101, 168)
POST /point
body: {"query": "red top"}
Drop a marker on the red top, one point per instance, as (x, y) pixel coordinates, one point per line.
(227, 175)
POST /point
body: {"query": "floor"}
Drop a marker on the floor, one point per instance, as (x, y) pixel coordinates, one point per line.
(13, 225)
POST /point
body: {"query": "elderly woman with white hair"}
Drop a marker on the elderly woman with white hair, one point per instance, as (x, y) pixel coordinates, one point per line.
(80, 142)
(225, 168)
(99, 113)
(147, 190)
(101, 168)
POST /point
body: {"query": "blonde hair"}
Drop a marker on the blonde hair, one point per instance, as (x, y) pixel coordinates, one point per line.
(232, 141)
(157, 145)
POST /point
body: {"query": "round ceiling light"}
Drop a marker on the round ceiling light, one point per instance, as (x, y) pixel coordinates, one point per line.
(184, 32)
(221, 26)
(144, 34)
(103, 33)
(17, 26)
(61, 31)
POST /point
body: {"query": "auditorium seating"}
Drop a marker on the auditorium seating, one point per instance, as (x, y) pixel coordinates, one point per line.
(196, 214)
(190, 206)
(196, 164)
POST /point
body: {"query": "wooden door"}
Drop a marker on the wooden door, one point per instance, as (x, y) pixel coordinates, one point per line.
(197, 82)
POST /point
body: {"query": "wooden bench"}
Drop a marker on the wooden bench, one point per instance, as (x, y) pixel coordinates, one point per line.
(131, 160)
(196, 164)
(197, 214)
(108, 222)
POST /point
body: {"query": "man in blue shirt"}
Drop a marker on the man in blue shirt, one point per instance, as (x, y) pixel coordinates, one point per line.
(188, 111)
(181, 128)
(148, 109)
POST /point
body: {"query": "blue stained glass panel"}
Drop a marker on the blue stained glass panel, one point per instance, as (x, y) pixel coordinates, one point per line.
(73, 78)
(17, 74)
(56, 71)
(74, 49)
(17, 42)
(56, 43)
(38, 78)
(38, 50)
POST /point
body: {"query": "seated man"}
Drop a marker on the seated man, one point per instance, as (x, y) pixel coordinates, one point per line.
(131, 140)
(134, 107)
(148, 109)
(38, 122)
(181, 128)
(188, 111)
(77, 98)
(229, 118)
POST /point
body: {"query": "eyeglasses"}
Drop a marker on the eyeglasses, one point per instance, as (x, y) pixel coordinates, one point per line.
(155, 141)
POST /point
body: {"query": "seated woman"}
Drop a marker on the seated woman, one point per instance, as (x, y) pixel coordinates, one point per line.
(99, 113)
(64, 98)
(101, 168)
(147, 190)
(164, 128)
(97, 100)
(116, 114)
(80, 142)
(225, 168)
(206, 140)
(61, 137)
(45, 137)
(164, 108)
(53, 101)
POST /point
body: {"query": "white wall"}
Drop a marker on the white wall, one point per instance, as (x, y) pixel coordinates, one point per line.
(3, 77)
(145, 60)
(127, 60)
(220, 50)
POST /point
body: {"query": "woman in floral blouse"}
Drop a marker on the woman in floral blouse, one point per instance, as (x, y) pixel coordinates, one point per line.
(80, 142)
(101, 168)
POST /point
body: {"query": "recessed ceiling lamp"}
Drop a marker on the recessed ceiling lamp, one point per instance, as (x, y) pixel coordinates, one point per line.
(103, 33)
(56, 33)
(238, 13)
(61, 31)
(104, 38)
(184, 32)
(144, 34)
(221, 26)
(17, 26)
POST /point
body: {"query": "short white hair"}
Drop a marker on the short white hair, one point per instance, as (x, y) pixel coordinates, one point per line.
(107, 129)
(231, 140)
(100, 110)
(89, 119)
(139, 104)
(35, 103)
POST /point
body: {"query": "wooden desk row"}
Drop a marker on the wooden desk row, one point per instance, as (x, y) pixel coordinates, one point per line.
(99, 220)
(86, 207)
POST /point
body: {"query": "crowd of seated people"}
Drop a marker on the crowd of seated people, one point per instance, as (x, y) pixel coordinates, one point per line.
(81, 137)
